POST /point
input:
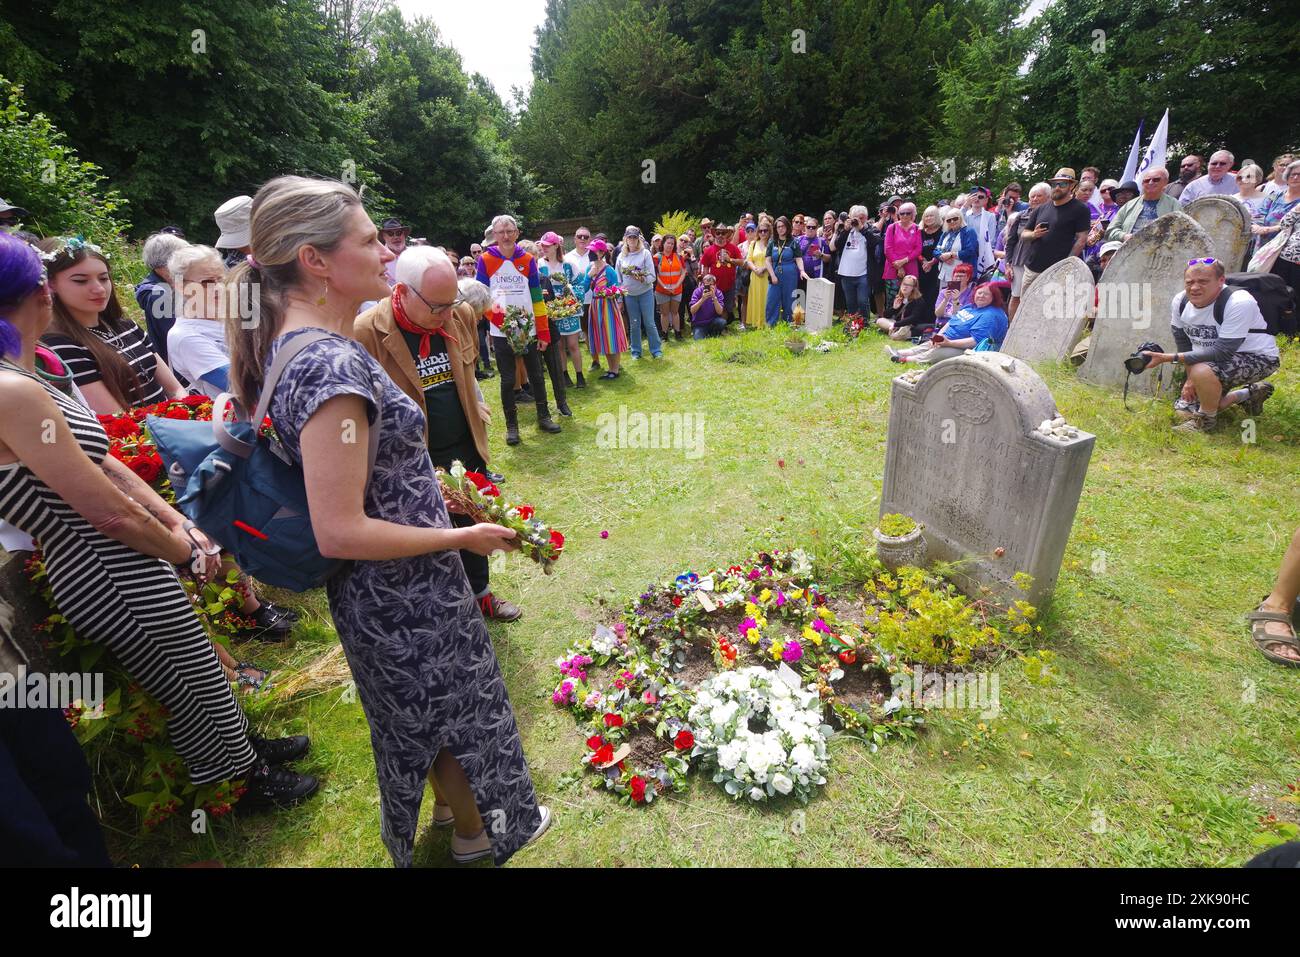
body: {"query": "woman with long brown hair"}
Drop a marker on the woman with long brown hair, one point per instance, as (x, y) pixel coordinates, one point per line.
(109, 356)
(420, 654)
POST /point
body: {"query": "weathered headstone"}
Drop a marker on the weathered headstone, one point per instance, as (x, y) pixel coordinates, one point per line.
(820, 305)
(1227, 220)
(966, 456)
(1134, 298)
(1052, 314)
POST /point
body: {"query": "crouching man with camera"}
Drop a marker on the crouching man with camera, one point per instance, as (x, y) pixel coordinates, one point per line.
(1225, 344)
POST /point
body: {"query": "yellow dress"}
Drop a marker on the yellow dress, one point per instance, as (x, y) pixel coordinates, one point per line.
(756, 300)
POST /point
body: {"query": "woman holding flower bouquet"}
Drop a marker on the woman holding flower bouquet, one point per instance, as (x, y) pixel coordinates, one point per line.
(564, 310)
(415, 641)
(606, 335)
(636, 271)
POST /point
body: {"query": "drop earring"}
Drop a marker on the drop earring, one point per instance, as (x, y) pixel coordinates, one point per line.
(321, 300)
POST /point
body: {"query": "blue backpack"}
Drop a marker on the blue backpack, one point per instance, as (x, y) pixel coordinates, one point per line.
(244, 491)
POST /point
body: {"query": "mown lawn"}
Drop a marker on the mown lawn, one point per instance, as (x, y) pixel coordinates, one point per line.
(1163, 742)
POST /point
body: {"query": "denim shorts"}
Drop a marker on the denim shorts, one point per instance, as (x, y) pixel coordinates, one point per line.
(662, 298)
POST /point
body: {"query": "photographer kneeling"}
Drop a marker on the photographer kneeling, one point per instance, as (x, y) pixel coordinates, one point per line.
(1227, 355)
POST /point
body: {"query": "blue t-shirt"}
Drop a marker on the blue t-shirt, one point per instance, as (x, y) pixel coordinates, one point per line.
(979, 323)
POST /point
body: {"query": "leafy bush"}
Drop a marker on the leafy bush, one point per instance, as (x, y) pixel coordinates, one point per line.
(40, 173)
(925, 620)
(677, 223)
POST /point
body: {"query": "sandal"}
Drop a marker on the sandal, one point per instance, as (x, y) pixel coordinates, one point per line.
(249, 676)
(1263, 639)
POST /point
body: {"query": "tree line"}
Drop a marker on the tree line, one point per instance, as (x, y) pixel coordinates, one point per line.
(641, 106)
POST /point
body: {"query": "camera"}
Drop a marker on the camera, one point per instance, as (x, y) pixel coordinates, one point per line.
(1137, 362)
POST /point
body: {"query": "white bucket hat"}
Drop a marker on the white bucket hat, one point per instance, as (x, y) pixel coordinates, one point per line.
(232, 218)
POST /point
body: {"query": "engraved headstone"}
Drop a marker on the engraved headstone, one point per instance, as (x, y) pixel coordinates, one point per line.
(1134, 299)
(977, 453)
(1052, 314)
(1227, 220)
(820, 305)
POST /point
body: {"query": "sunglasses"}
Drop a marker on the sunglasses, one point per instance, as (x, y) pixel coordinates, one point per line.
(1209, 261)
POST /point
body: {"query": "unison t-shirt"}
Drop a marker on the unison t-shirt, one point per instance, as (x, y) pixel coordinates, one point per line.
(1063, 223)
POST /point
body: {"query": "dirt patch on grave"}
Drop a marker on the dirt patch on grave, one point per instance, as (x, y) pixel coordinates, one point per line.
(648, 749)
(847, 609)
(861, 687)
(696, 665)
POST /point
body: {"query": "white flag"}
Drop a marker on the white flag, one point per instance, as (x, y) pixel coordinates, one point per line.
(1134, 153)
(1155, 154)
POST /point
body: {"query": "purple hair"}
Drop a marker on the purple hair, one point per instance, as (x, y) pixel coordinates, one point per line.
(20, 275)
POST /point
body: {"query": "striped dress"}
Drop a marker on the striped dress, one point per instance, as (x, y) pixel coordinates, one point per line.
(606, 334)
(134, 347)
(133, 604)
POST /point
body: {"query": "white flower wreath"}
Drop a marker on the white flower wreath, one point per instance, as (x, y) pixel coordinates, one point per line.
(788, 754)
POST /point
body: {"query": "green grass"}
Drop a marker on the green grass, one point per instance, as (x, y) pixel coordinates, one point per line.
(1162, 744)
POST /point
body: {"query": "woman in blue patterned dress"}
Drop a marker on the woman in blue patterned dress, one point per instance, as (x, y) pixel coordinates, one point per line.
(424, 666)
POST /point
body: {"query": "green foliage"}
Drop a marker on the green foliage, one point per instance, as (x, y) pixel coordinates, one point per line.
(125, 737)
(926, 620)
(896, 525)
(676, 223)
(39, 172)
(1040, 668)
(1100, 66)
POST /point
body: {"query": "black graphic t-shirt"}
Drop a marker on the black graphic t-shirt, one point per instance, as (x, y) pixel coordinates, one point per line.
(449, 433)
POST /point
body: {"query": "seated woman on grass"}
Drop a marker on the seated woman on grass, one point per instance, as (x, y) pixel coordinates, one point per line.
(986, 319)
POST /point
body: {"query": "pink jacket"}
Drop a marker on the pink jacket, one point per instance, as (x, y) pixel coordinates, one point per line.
(902, 245)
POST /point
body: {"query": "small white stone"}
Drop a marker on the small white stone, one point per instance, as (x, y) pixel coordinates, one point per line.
(1058, 421)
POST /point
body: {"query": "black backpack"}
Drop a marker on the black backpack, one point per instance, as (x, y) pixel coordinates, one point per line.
(1271, 293)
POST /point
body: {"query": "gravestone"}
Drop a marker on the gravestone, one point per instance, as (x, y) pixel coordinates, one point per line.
(1135, 296)
(820, 305)
(1052, 314)
(967, 456)
(1227, 220)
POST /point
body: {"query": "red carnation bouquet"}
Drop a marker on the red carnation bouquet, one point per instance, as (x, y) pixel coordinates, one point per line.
(479, 498)
(129, 440)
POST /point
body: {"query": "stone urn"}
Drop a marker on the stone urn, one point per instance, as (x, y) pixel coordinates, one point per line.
(894, 551)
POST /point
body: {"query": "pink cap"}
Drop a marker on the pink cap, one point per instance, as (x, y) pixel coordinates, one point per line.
(599, 246)
(550, 239)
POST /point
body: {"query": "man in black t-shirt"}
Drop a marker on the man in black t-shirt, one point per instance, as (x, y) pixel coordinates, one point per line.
(1055, 230)
(423, 336)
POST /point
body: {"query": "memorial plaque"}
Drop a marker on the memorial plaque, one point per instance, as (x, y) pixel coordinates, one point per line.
(1135, 297)
(820, 305)
(1227, 220)
(1053, 313)
(977, 453)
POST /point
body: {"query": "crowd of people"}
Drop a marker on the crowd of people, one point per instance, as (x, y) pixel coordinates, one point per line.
(411, 331)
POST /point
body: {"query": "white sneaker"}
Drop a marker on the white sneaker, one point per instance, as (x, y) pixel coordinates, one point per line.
(467, 849)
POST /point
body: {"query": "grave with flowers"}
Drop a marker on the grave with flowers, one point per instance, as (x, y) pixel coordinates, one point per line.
(747, 671)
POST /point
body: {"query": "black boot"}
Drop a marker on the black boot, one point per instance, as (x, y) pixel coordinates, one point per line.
(582, 383)
(568, 380)
(280, 750)
(512, 433)
(563, 407)
(546, 423)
